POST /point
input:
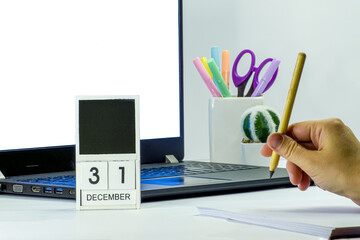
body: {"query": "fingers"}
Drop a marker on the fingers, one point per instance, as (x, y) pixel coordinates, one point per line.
(300, 131)
(305, 182)
(308, 132)
(289, 149)
(308, 145)
(295, 173)
(297, 176)
(266, 151)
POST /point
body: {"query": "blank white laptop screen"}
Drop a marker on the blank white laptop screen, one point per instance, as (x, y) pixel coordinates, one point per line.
(51, 51)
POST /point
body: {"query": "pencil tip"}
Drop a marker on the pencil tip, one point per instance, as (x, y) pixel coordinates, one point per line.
(271, 174)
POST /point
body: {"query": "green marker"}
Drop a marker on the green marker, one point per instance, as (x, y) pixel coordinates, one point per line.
(220, 83)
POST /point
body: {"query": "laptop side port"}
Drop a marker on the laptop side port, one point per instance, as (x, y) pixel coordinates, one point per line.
(48, 190)
(18, 188)
(35, 189)
(59, 191)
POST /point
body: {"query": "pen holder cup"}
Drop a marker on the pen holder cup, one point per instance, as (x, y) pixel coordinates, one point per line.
(250, 155)
(225, 129)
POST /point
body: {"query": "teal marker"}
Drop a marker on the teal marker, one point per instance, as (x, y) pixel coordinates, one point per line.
(216, 56)
(218, 78)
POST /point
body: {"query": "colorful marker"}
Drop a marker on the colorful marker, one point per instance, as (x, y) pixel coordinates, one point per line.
(218, 78)
(206, 77)
(225, 68)
(215, 55)
(204, 61)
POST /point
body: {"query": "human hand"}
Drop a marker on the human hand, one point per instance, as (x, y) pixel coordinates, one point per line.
(326, 151)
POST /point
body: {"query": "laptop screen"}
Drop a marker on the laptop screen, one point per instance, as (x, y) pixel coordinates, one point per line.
(53, 51)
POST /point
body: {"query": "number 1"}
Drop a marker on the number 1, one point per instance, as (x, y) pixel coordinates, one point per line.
(122, 169)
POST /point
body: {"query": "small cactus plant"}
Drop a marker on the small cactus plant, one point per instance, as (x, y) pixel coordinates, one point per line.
(258, 122)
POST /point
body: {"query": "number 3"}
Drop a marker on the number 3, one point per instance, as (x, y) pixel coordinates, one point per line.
(95, 172)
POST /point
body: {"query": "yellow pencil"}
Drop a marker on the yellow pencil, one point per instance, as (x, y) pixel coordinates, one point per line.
(288, 107)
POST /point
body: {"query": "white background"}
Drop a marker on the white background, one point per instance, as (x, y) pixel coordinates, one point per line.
(326, 30)
(51, 51)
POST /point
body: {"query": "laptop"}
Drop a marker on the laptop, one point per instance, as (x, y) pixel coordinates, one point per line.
(97, 56)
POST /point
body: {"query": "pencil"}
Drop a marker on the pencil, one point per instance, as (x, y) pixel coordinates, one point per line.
(288, 107)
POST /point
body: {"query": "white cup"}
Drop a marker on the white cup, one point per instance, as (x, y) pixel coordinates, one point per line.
(225, 127)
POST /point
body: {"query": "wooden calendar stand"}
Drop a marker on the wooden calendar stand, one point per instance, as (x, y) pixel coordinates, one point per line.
(107, 152)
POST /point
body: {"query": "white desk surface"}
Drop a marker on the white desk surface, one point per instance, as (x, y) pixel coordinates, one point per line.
(41, 218)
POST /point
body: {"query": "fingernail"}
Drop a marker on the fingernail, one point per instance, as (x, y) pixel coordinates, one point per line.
(275, 140)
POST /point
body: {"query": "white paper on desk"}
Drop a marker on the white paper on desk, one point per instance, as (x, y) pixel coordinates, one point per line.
(305, 228)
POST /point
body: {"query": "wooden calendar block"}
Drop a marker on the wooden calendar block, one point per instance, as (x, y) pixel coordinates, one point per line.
(107, 152)
(122, 175)
(109, 198)
(93, 175)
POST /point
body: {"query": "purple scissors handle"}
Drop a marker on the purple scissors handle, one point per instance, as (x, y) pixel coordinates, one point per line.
(241, 81)
(258, 70)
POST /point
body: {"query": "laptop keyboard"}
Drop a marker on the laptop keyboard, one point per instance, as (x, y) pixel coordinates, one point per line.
(191, 168)
(67, 180)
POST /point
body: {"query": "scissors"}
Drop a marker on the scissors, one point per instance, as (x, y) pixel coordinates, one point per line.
(241, 81)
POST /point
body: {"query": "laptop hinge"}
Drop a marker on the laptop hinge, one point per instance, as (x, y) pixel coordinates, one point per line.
(171, 159)
(2, 175)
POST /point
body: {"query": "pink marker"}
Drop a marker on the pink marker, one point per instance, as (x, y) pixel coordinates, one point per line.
(206, 77)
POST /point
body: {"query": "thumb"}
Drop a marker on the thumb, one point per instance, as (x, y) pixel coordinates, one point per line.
(288, 148)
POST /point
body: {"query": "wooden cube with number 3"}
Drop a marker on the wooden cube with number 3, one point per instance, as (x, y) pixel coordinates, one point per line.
(93, 175)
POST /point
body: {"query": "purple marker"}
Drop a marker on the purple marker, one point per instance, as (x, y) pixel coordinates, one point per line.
(266, 78)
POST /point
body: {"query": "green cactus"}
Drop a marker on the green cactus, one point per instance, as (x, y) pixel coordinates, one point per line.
(258, 122)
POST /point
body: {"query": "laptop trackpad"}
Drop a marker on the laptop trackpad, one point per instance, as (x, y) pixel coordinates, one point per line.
(178, 181)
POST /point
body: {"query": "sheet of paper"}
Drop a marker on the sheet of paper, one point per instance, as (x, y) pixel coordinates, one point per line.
(304, 228)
